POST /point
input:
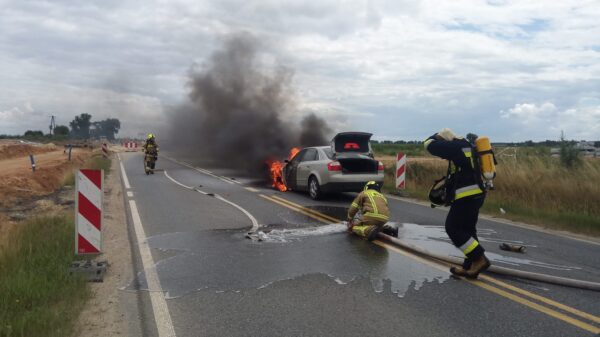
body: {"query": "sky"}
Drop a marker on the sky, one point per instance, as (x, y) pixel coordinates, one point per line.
(512, 70)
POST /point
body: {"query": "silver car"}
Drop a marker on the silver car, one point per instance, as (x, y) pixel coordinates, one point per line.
(344, 166)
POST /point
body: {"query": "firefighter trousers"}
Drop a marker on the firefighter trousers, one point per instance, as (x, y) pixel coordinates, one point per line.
(461, 227)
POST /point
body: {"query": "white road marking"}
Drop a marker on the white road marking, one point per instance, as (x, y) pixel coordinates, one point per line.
(130, 194)
(176, 182)
(201, 170)
(162, 317)
(251, 189)
(125, 180)
(164, 324)
(255, 224)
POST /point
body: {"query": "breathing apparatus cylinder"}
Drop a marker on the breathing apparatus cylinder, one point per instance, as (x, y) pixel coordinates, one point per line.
(486, 158)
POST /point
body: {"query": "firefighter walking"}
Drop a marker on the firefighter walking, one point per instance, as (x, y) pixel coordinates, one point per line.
(466, 196)
(150, 149)
(369, 213)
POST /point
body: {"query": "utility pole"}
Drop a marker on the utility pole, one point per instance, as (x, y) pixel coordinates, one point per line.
(52, 125)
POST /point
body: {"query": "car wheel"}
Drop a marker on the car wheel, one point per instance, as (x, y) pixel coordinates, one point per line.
(314, 190)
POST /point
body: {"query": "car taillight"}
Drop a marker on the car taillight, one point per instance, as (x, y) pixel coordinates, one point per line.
(380, 167)
(334, 166)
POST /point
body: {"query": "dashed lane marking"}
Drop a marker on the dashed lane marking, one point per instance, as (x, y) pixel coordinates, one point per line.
(251, 189)
(130, 194)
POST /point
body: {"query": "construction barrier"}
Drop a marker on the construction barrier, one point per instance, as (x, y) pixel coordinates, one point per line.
(400, 171)
(130, 146)
(88, 208)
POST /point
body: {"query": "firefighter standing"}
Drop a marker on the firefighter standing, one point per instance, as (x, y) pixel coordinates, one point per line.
(468, 197)
(374, 213)
(150, 149)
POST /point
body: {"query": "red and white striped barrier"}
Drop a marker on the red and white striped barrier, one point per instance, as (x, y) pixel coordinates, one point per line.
(130, 146)
(401, 171)
(88, 217)
(105, 150)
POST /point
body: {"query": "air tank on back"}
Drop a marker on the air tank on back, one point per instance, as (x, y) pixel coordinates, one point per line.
(486, 159)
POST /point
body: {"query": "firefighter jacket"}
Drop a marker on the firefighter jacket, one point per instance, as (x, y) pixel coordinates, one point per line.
(150, 148)
(464, 170)
(372, 204)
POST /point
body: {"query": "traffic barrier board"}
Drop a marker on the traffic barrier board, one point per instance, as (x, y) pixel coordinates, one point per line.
(401, 171)
(88, 208)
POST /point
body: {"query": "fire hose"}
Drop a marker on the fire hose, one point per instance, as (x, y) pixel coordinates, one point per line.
(562, 281)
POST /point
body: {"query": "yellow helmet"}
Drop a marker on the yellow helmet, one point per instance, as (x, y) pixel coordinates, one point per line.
(150, 136)
(372, 185)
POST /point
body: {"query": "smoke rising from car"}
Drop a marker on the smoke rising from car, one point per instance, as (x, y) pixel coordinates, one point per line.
(241, 112)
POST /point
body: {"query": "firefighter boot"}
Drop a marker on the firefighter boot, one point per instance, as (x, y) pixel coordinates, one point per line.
(367, 232)
(390, 229)
(478, 266)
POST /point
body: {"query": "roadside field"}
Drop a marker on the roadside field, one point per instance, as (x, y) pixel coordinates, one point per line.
(533, 187)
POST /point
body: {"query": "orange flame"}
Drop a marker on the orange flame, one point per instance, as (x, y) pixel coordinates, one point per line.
(276, 170)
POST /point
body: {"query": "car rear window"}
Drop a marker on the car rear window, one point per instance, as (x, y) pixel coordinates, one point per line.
(328, 153)
(310, 155)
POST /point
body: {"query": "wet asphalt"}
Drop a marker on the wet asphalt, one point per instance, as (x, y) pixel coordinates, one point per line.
(219, 283)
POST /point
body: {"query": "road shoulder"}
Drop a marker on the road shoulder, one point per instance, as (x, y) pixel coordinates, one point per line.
(105, 313)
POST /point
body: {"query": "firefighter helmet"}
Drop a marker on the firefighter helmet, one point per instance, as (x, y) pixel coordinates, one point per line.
(150, 136)
(371, 185)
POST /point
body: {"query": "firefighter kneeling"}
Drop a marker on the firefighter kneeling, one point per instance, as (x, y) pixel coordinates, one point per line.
(369, 213)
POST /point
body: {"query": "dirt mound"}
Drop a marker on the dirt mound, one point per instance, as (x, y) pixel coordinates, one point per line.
(18, 149)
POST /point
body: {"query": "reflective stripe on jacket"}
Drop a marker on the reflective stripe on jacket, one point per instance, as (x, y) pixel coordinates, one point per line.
(372, 204)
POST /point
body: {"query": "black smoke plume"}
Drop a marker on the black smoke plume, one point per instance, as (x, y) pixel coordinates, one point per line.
(240, 112)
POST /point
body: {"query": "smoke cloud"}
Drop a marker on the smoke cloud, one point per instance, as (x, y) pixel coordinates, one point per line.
(241, 112)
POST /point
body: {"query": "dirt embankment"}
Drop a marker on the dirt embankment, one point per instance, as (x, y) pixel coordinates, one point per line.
(18, 182)
(12, 149)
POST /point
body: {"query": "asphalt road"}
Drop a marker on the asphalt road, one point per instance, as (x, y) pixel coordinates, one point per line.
(309, 278)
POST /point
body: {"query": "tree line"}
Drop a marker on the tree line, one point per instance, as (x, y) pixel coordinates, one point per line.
(82, 127)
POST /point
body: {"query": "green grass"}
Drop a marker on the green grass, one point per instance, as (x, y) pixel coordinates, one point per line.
(38, 297)
(96, 162)
(393, 149)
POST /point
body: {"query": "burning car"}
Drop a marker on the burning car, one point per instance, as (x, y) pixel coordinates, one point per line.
(344, 166)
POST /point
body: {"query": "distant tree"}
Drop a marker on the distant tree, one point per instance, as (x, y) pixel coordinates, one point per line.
(30, 133)
(596, 144)
(80, 126)
(569, 154)
(107, 128)
(61, 130)
(374, 141)
(399, 142)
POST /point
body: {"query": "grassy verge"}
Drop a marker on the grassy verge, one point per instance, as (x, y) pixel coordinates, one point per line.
(38, 296)
(96, 162)
(534, 189)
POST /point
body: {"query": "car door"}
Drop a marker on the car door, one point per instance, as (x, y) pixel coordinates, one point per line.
(304, 168)
(291, 169)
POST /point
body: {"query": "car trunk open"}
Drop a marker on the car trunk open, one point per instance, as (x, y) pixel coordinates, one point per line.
(353, 152)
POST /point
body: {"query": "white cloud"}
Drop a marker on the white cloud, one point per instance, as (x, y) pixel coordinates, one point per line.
(580, 122)
(410, 63)
(528, 113)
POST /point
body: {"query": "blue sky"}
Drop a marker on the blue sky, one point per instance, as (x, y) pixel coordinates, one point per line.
(514, 70)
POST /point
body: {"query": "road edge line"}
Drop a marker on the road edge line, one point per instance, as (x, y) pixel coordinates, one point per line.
(162, 317)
